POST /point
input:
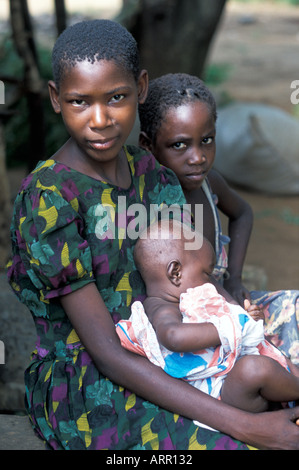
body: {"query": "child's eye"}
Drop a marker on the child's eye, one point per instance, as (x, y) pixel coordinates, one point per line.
(179, 145)
(208, 140)
(78, 102)
(208, 274)
(117, 98)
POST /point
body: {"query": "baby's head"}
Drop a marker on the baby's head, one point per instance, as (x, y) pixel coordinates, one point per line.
(92, 41)
(164, 262)
(171, 91)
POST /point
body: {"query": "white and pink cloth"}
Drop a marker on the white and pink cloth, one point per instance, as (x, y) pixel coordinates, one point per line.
(205, 369)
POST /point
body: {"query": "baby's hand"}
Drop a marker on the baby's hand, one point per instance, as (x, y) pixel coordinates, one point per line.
(254, 311)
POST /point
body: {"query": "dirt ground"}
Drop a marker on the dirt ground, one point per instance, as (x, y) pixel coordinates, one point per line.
(260, 42)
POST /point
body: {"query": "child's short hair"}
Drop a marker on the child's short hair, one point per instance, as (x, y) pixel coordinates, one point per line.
(94, 40)
(171, 91)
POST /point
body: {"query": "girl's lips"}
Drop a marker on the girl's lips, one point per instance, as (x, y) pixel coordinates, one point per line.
(196, 176)
(102, 144)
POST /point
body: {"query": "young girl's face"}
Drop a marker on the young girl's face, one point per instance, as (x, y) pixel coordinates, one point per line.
(98, 103)
(185, 142)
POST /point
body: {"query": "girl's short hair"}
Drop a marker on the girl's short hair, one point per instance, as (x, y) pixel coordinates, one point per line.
(171, 91)
(94, 40)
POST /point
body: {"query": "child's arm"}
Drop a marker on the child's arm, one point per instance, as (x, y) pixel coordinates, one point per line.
(240, 223)
(174, 335)
(95, 328)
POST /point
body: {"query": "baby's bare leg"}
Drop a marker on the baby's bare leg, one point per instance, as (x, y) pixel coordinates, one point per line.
(255, 381)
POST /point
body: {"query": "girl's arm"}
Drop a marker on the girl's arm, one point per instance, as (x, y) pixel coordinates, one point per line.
(93, 324)
(240, 224)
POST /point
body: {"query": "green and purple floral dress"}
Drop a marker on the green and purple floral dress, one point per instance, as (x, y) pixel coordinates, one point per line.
(61, 242)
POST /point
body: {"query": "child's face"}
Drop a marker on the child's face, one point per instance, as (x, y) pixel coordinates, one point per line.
(185, 142)
(198, 266)
(98, 103)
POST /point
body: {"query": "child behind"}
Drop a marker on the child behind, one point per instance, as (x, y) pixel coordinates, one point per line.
(178, 125)
(181, 299)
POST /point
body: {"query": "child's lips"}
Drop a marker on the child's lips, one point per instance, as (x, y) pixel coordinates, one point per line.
(102, 144)
(198, 176)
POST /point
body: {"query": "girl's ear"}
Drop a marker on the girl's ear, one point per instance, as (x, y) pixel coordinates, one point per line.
(174, 272)
(142, 86)
(145, 142)
(54, 96)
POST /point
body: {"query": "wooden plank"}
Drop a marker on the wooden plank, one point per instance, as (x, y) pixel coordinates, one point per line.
(16, 433)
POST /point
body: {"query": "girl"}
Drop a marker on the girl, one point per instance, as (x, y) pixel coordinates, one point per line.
(84, 391)
(178, 125)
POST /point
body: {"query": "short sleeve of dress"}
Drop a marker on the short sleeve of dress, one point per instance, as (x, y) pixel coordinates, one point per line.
(52, 250)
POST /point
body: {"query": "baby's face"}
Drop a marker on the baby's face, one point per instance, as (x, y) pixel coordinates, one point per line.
(185, 143)
(198, 265)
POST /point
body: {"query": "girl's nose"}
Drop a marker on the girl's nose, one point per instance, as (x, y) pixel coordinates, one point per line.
(197, 157)
(99, 117)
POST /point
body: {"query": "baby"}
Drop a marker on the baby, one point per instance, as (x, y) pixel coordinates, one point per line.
(193, 332)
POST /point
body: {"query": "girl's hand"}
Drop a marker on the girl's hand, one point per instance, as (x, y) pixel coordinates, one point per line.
(254, 311)
(236, 289)
(277, 430)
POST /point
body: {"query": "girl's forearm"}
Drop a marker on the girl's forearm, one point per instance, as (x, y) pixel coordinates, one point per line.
(270, 430)
(150, 382)
(239, 233)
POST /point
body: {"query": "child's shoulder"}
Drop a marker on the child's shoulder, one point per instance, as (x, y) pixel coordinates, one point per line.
(138, 154)
(143, 161)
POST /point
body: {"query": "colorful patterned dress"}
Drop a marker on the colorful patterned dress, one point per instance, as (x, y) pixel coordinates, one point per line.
(62, 240)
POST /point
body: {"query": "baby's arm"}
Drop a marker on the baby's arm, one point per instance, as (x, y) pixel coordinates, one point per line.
(175, 335)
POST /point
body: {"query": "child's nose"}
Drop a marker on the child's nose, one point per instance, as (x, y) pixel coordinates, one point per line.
(197, 157)
(99, 117)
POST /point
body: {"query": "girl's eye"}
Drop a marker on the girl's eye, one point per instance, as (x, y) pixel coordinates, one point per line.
(179, 145)
(78, 102)
(117, 98)
(208, 140)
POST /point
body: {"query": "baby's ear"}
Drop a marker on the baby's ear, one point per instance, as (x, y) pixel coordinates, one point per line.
(174, 272)
(144, 141)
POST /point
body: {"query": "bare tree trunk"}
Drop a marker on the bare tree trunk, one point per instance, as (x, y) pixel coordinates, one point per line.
(173, 35)
(61, 16)
(24, 42)
(5, 204)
